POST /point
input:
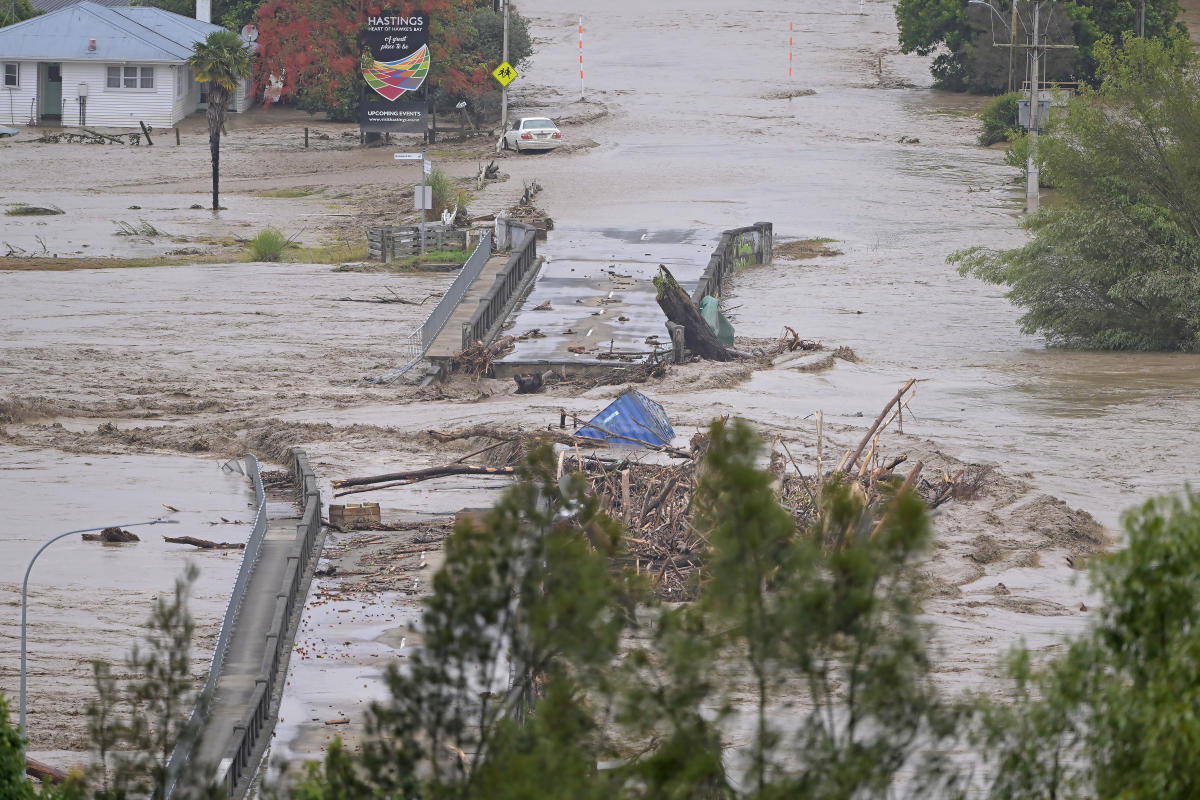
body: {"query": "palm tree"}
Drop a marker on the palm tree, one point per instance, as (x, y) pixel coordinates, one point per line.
(221, 61)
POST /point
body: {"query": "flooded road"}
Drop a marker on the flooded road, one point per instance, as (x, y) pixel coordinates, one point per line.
(689, 124)
(695, 138)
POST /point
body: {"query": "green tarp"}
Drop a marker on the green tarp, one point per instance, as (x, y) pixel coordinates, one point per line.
(716, 320)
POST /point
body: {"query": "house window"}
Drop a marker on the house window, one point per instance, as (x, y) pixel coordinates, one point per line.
(130, 77)
(12, 74)
(181, 81)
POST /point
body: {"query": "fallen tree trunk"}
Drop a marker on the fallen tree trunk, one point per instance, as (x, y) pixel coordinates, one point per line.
(680, 309)
(414, 475)
(43, 772)
(204, 544)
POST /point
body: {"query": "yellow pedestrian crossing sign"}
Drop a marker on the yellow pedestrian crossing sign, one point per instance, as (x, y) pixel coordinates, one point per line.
(505, 74)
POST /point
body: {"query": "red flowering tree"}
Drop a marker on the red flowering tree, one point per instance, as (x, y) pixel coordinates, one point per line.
(314, 46)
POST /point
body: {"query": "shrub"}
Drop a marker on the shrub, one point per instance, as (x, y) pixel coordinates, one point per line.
(445, 193)
(269, 244)
(999, 119)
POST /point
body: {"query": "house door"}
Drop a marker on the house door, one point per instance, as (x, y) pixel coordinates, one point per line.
(52, 93)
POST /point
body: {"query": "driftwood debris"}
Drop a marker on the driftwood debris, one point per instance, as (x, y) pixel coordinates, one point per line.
(43, 772)
(392, 298)
(111, 535)
(680, 309)
(477, 359)
(204, 544)
(898, 398)
(406, 477)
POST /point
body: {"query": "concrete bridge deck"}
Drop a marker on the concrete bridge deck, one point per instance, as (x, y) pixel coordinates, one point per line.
(449, 340)
(248, 642)
(598, 286)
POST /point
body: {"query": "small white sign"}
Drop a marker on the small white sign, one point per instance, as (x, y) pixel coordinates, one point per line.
(408, 156)
(423, 200)
(428, 167)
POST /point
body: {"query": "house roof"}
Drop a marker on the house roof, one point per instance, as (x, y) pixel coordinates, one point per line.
(121, 34)
(46, 6)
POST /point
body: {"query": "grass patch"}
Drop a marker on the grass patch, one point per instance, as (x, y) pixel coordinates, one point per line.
(405, 264)
(338, 253)
(289, 193)
(806, 248)
(269, 244)
(446, 191)
(26, 210)
(142, 229)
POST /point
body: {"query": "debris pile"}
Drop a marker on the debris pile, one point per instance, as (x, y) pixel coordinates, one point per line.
(651, 489)
(525, 211)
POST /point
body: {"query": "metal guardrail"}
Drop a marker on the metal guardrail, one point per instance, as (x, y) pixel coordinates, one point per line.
(454, 295)
(417, 343)
(248, 740)
(183, 750)
(493, 305)
(753, 244)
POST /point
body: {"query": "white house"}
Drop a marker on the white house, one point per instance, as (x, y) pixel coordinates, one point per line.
(97, 66)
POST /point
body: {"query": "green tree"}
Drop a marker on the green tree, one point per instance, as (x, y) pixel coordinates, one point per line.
(520, 688)
(15, 11)
(1115, 714)
(964, 37)
(1116, 264)
(525, 615)
(220, 61)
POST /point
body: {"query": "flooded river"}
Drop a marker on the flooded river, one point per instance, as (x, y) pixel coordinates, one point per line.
(696, 139)
(696, 127)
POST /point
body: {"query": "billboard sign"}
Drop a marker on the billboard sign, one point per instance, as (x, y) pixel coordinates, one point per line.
(395, 63)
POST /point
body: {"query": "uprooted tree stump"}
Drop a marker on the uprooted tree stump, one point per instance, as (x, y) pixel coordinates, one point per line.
(680, 309)
(111, 535)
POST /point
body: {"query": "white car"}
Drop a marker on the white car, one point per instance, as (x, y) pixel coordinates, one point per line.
(531, 133)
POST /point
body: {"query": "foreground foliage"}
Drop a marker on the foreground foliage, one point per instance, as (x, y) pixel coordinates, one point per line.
(133, 726)
(522, 688)
(1116, 263)
(1114, 715)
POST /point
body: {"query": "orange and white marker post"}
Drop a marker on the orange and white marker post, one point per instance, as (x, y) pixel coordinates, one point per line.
(581, 58)
(791, 30)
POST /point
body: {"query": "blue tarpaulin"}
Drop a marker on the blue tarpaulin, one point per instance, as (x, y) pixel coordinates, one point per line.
(633, 416)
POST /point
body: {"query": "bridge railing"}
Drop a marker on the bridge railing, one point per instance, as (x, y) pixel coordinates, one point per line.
(245, 746)
(195, 724)
(493, 305)
(737, 248)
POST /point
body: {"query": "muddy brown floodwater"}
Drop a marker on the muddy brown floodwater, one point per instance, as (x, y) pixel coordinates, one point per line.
(688, 122)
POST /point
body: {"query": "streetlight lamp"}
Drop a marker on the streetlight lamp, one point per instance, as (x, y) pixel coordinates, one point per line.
(25, 593)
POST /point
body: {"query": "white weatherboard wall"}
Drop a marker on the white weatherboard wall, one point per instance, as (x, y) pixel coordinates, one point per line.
(160, 107)
(15, 103)
(118, 108)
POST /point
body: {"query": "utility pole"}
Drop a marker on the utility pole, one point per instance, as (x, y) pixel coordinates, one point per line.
(1036, 50)
(504, 89)
(1012, 37)
(1141, 19)
(1032, 197)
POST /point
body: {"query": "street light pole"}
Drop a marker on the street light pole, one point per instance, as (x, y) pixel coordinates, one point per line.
(504, 59)
(25, 603)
